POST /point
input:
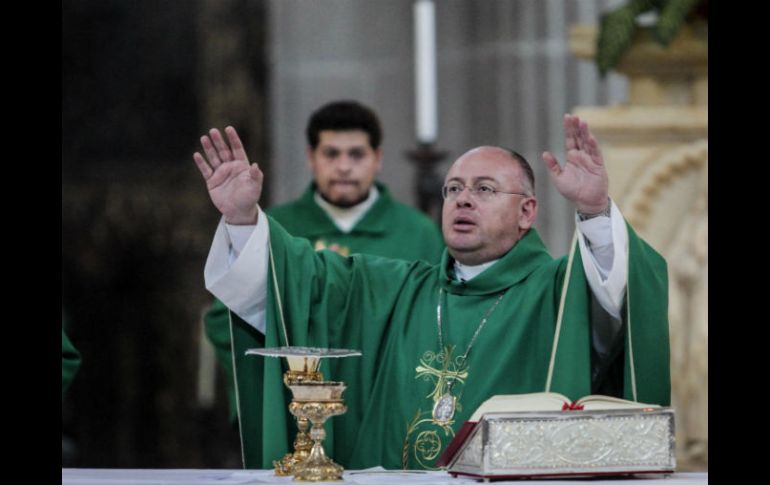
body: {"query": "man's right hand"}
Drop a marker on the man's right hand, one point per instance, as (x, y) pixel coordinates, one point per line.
(234, 185)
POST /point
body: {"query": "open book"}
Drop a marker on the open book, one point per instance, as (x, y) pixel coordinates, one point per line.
(546, 434)
(552, 401)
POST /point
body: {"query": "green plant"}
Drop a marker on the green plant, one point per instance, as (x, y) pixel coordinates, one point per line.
(618, 27)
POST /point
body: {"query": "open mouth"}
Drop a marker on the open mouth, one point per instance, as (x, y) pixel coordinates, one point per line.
(463, 223)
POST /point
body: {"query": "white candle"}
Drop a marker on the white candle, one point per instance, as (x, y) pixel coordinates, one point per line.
(425, 70)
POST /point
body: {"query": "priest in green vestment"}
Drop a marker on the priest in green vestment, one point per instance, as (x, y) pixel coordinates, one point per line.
(497, 315)
(343, 209)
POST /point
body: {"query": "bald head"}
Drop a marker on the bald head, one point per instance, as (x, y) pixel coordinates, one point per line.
(483, 223)
(493, 152)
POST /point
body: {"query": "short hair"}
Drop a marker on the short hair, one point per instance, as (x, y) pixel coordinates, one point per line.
(344, 116)
(529, 174)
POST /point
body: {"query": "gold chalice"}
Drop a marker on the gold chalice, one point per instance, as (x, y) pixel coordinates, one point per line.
(315, 400)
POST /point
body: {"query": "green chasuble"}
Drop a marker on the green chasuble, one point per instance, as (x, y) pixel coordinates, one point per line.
(389, 228)
(387, 309)
(70, 361)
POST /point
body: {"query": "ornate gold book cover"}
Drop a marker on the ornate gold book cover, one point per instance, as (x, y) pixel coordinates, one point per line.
(560, 443)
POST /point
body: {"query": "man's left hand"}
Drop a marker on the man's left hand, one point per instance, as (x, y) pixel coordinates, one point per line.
(583, 179)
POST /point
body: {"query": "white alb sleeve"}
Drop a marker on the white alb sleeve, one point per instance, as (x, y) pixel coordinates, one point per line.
(603, 243)
(236, 269)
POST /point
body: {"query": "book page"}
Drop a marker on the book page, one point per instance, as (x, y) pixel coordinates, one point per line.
(537, 401)
(608, 402)
(551, 401)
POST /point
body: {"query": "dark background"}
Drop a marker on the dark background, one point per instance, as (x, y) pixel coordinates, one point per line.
(141, 81)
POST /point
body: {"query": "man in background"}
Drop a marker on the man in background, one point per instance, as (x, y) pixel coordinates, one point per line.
(344, 208)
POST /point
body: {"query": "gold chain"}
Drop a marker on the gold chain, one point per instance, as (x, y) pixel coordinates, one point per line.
(476, 334)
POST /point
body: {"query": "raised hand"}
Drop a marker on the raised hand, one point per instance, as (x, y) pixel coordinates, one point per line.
(583, 178)
(234, 185)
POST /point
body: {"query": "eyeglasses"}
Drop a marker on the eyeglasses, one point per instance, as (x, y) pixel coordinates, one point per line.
(483, 192)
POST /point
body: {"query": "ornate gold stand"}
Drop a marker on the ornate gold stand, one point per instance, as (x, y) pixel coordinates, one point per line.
(302, 443)
(317, 401)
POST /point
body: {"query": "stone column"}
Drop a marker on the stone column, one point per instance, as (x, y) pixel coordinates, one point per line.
(656, 150)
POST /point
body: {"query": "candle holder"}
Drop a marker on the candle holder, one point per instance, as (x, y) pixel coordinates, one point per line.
(428, 187)
(314, 400)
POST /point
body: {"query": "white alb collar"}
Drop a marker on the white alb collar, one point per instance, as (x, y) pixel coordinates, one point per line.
(466, 272)
(345, 218)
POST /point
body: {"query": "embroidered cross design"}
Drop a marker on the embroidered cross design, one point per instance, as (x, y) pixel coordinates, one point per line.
(450, 370)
